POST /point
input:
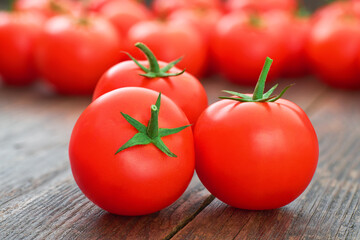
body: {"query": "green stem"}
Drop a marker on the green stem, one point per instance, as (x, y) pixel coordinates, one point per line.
(154, 65)
(11, 5)
(153, 126)
(260, 86)
(255, 20)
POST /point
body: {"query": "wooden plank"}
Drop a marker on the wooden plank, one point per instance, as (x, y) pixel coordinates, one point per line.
(38, 197)
(328, 209)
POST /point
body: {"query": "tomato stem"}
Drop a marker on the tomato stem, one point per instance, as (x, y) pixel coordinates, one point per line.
(153, 126)
(259, 95)
(155, 70)
(260, 85)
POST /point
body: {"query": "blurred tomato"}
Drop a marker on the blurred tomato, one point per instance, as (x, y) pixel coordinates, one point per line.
(19, 33)
(74, 52)
(296, 63)
(261, 6)
(124, 14)
(169, 40)
(165, 7)
(48, 8)
(242, 41)
(334, 45)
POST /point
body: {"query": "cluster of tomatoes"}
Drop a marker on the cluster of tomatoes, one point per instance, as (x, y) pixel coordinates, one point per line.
(133, 152)
(70, 44)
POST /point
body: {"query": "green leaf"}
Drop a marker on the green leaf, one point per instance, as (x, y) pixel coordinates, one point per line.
(161, 145)
(137, 63)
(137, 139)
(281, 94)
(135, 123)
(268, 93)
(241, 95)
(171, 65)
(169, 131)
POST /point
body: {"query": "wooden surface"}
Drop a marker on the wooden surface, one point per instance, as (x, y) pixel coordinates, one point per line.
(40, 200)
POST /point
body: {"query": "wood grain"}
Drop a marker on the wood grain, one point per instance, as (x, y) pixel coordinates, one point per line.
(40, 200)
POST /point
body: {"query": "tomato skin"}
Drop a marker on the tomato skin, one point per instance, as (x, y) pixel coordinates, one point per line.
(166, 7)
(72, 57)
(185, 90)
(239, 42)
(141, 179)
(334, 45)
(255, 155)
(261, 6)
(19, 33)
(169, 40)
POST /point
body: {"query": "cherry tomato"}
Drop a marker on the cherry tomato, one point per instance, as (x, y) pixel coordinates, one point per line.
(120, 158)
(242, 41)
(255, 151)
(261, 6)
(165, 7)
(19, 33)
(169, 40)
(334, 46)
(74, 52)
(184, 89)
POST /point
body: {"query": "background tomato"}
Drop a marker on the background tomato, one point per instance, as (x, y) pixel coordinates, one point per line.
(73, 54)
(19, 33)
(48, 8)
(185, 90)
(169, 40)
(242, 41)
(261, 6)
(138, 180)
(334, 45)
(165, 7)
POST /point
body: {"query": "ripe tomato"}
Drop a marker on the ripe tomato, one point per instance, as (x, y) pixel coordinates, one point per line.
(138, 176)
(48, 8)
(242, 41)
(334, 46)
(184, 89)
(296, 63)
(261, 6)
(74, 52)
(169, 40)
(255, 152)
(19, 33)
(165, 7)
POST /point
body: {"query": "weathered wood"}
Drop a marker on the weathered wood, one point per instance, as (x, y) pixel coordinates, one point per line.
(329, 208)
(40, 200)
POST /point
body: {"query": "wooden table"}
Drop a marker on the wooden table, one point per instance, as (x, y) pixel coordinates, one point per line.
(40, 200)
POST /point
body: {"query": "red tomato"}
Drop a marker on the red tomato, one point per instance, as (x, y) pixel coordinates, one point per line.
(184, 89)
(19, 33)
(48, 8)
(73, 54)
(138, 180)
(169, 40)
(261, 6)
(255, 155)
(334, 46)
(165, 7)
(242, 41)
(296, 63)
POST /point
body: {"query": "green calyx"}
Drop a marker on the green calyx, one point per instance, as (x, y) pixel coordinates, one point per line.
(150, 133)
(154, 71)
(259, 95)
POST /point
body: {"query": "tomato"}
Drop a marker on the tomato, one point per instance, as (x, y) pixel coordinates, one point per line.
(19, 33)
(165, 7)
(73, 53)
(241, 41)
(261, 6)
(257, 152)
(124, 14)
(184, 89)
(296, 63)
(127, 170)
(48, 8)
(334, 46)
(169, 40)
